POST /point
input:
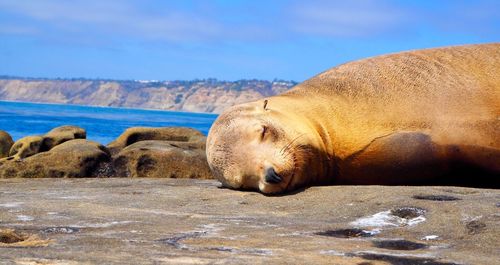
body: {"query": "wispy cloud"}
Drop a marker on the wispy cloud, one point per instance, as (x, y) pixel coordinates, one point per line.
(346, 18)
(179, 22)
(17, 29)
(468, 17)
(123, 18)
(130, 19)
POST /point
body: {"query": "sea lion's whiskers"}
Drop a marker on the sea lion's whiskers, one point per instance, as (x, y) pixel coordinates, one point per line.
(285, 148)
(298, 149)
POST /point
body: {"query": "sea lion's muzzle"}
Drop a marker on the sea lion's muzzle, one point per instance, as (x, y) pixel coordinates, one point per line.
(272, 177)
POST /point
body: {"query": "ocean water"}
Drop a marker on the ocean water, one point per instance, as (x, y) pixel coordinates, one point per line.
(103, 124)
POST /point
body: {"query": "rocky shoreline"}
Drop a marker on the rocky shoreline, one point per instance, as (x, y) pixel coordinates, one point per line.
(191, 221)
(165, 152)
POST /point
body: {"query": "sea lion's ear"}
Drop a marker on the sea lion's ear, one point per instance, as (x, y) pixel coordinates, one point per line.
(265, 104)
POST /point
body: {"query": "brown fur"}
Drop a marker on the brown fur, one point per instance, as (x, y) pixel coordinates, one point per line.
(357, 119)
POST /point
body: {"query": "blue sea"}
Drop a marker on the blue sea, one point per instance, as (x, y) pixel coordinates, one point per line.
(103, 124)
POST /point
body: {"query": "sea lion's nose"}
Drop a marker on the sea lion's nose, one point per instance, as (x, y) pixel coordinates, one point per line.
(272, 177)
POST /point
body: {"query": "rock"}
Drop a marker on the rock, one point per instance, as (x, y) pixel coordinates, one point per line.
(186, 221)
(167, 152)
(173, 152)
(31, 145)
(162, 159)
(60, 135)
(10, 238)
(25, 147)
(74, 158)
(6, 143)
(75, 131)
(136, 134)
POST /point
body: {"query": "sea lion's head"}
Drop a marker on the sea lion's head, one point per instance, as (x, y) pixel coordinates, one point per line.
(261, 146)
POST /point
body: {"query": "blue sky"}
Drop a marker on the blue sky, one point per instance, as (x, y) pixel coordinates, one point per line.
(225, 39)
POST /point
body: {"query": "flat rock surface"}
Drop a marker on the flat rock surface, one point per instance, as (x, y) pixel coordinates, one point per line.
(185, 221)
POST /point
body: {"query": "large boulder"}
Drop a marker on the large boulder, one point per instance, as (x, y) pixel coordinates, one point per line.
(74, 158)
(60, 135)
(6, 143)
(75, 131)
(31, 145)
(136, 134)
(162, 159)
(25, 147)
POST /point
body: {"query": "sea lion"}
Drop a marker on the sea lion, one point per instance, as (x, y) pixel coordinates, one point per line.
(404, 118)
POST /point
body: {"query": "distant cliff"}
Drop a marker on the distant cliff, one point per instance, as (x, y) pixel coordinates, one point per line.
(207, 95)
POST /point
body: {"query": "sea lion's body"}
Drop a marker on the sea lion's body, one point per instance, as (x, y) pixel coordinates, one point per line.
(394, 119)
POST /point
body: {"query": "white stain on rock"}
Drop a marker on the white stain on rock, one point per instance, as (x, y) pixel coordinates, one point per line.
(386, 218)
(103, 225)
(332, 252)
(467, 218)
(395, 254)
(11, 204)
(25, 218)
(74, 197)
(372, 232)
(431, 237)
